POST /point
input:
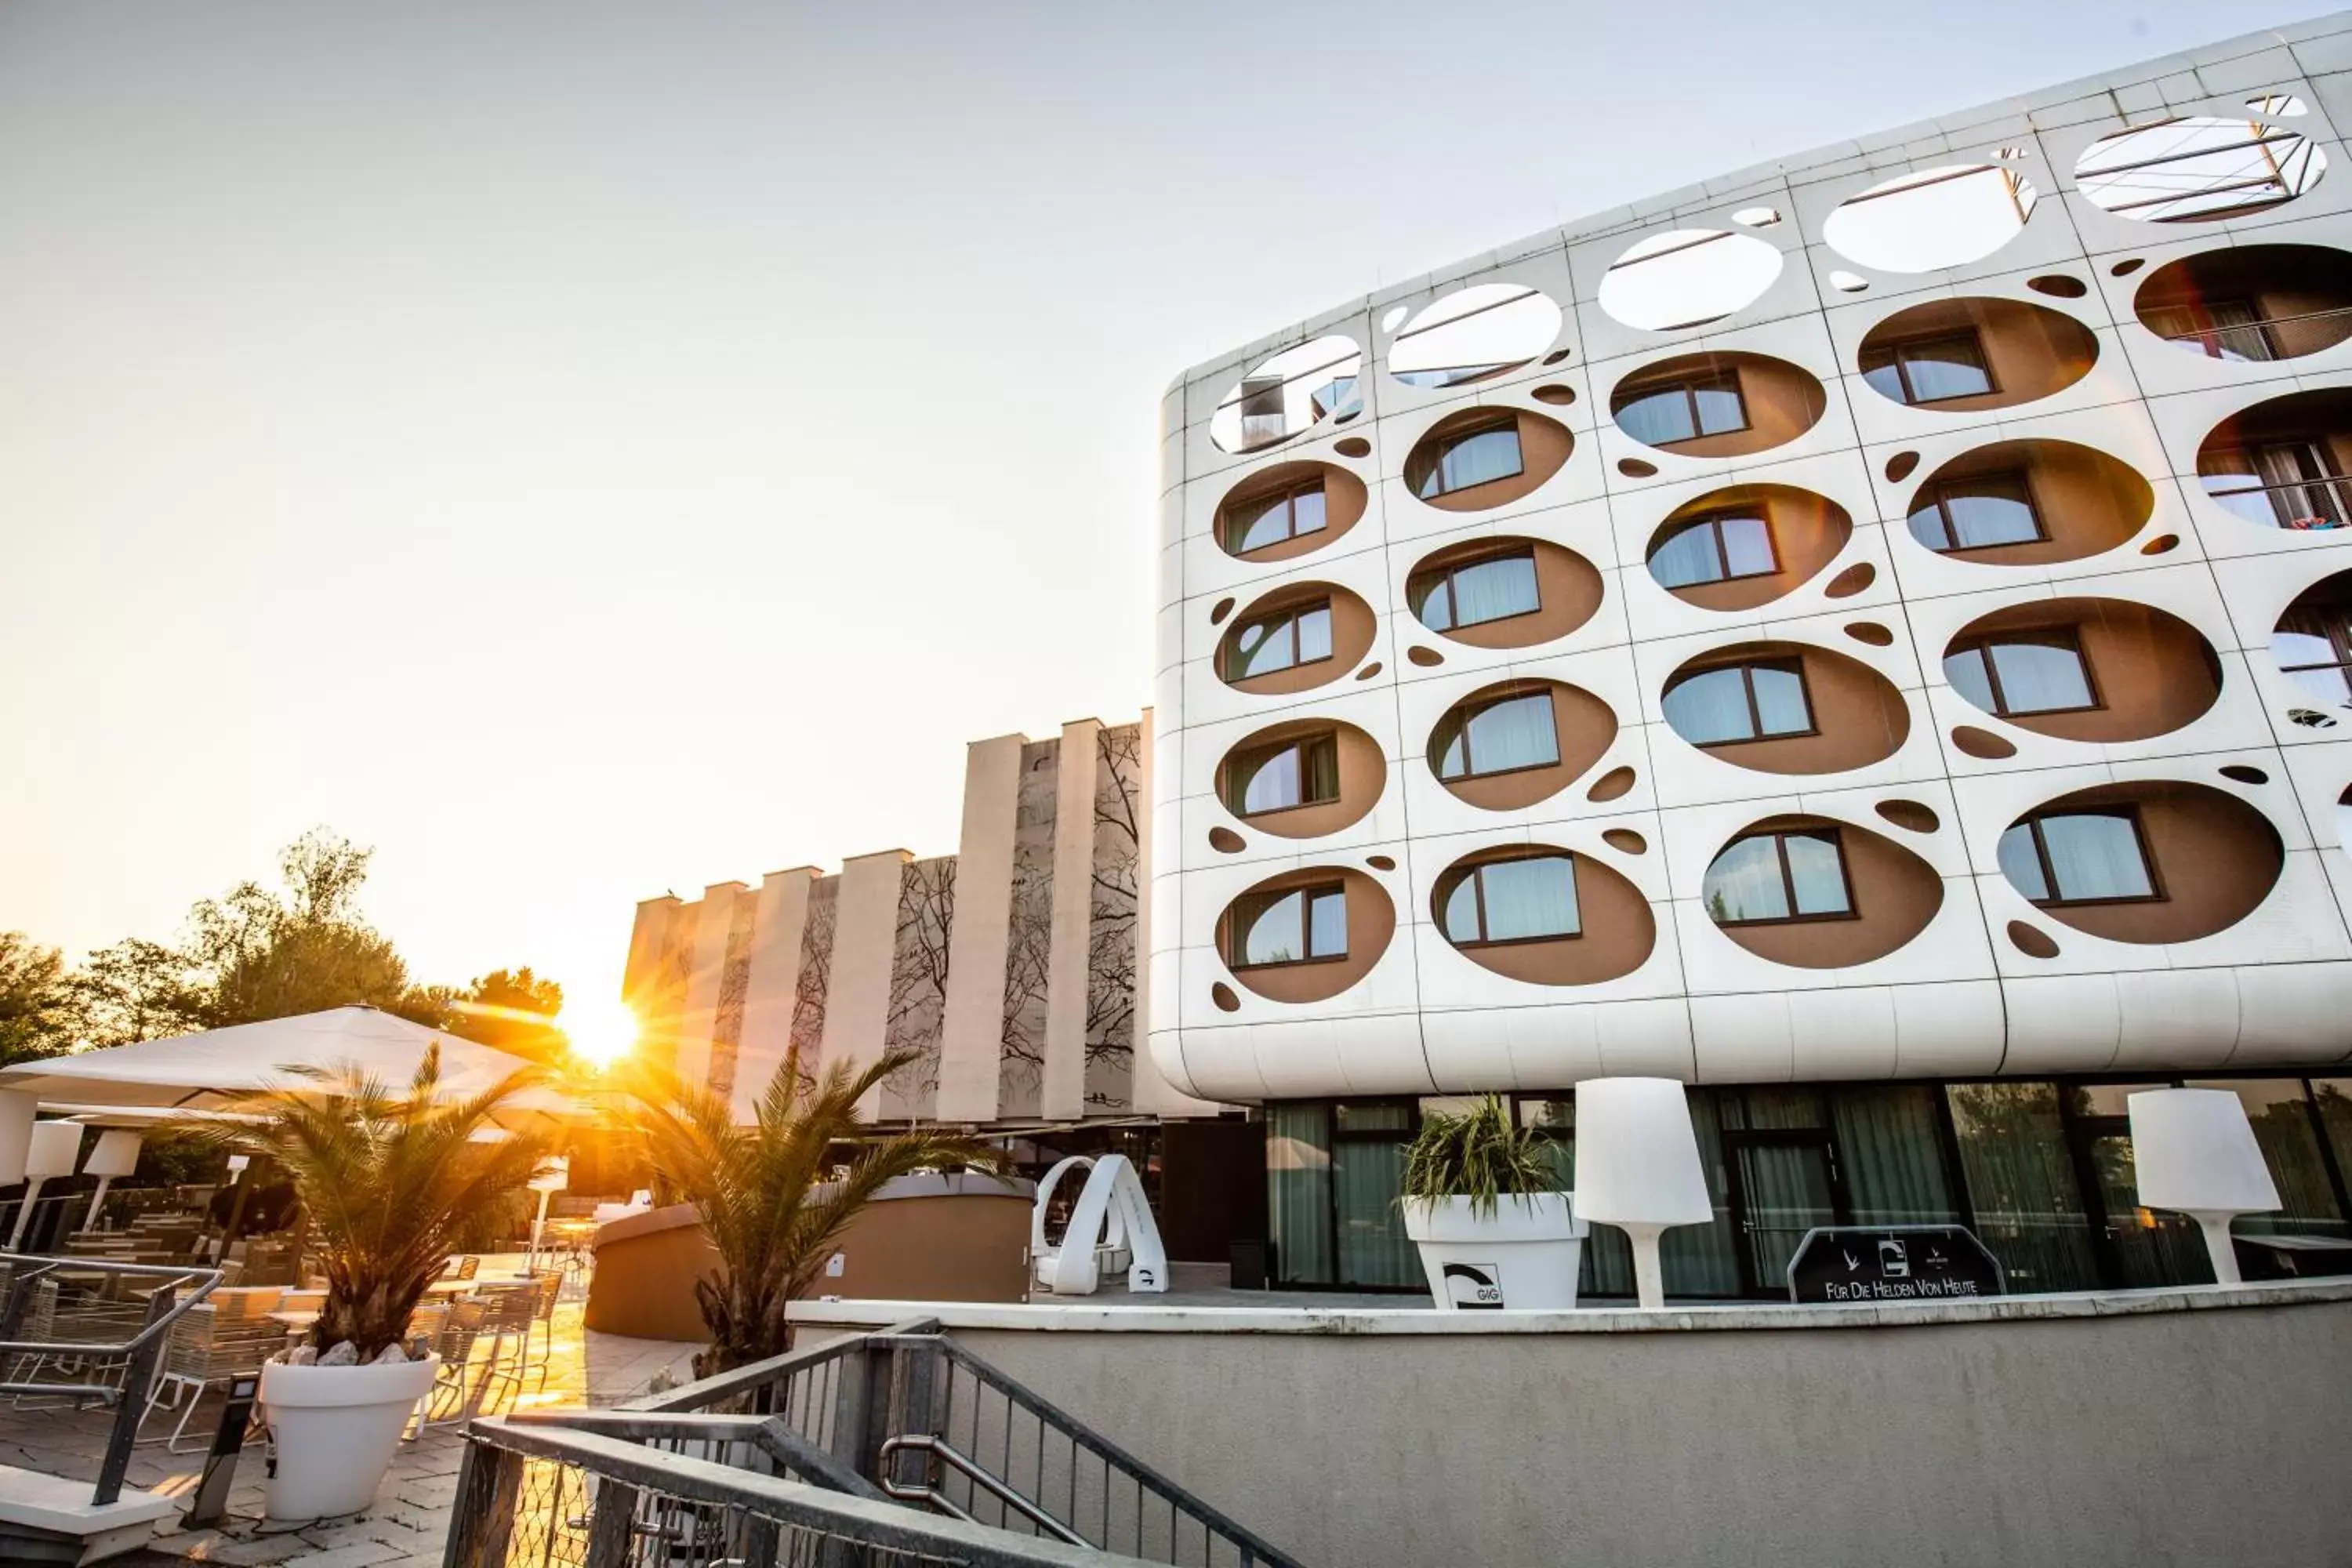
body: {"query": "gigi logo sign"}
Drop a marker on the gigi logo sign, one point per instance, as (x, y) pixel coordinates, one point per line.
(1475, 1286)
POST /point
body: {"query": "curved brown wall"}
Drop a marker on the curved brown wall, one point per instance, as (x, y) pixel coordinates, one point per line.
(2216, 860)
(1859, 716)
(1343, 507)
(1783, 401)
(1619, 929)
(1807, 532)
(2031, 350)
(1567, 586)
(1352, 625)
(1363, 775)
(2089, 502)
(2281, 281)
(1544, 445)
(1371, 921)
(960, 1246)
(1583, 725)
(2151, 671)
(1896, 894)
(2323, 415)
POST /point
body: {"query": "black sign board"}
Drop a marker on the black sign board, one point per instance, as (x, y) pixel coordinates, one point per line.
(1849, 1263)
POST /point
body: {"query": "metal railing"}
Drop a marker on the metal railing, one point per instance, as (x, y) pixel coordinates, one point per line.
(604, 1489)
(115, 1358)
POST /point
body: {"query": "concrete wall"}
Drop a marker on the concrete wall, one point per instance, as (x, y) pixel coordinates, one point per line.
(2085, 1431)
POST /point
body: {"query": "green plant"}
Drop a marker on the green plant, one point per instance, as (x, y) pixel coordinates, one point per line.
(774, 1196)
(1476, 1154)
(387, 1177)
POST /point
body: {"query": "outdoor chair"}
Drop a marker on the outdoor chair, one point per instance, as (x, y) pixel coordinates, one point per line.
(508, 1311)
(229, 1334)
(460, 1328)
(542, 1323)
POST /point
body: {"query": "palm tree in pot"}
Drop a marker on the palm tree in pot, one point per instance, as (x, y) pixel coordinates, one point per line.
(385, 1175)
(1482, 1205)
(774, 1196)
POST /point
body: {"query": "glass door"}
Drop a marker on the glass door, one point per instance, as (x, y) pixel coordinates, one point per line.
(1784, 1184)
(2148, 1248)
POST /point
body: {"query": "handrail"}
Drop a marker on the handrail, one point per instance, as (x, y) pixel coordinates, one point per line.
(760, 1374)
(83, 1263)
(979, 1474)
(627, 1469)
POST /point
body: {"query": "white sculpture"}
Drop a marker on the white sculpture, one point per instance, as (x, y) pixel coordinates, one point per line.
(1111, 1228)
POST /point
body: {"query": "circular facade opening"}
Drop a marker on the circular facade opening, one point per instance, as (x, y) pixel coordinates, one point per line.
(1687, 278)
(2104, 671)
(2244, 303)
(1955, 356)
(1291, 391)
(2148, 862)
(1786, 708)
(1745, 545)
(1289, 510)
(1306, 936)
(1543, 914)
(1931, 218)
(1303, 779)
(2029, 503)
(1474, 334)
(1504, 593)
(2197, 170)
(1717, 406)
(2313, 641)
(2283, 463)
(1484, 458)
(1817, 893)
(1295, 639)
(1518, 742)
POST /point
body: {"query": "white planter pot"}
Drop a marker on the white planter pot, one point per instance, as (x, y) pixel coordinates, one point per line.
(337, 1428)
(1524, 1256)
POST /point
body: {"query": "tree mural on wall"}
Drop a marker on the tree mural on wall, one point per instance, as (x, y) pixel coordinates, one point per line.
(734, 987)
(816, 964)
(1112, 925)
(1028, 956)
(919, 986)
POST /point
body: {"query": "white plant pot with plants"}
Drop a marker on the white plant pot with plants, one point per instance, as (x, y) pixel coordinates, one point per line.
(1482, 1206)
(335, 1431)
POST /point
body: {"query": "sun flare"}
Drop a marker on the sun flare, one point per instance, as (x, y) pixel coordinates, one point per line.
(600, 1033)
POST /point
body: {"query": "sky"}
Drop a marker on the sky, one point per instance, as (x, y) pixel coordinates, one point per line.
(586, 450)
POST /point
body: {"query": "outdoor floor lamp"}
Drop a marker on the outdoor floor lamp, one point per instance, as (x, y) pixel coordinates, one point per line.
(2194, 1153)
(1637, 1167)
(55, 1147)
(116, 1154)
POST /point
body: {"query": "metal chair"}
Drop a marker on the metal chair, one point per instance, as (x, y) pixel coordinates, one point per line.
(227, 1336)
(542, 1323)
(454, 1343)
(508, 1311)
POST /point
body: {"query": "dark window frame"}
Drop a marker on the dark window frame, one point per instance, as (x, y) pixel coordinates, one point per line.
(1448, 887)
(1466, 712)
(1292, 613)
(1236, 933)
(1260, 755)
(2208, 332)
(1436, 461)
(1713, 522)
(1794, 666)
(1942, 491)
(1421, 586)
(1898, 354)
(2335, 617)
(1834, 838)
(1255, 504)
(2130, 812)
(2067, 637)
(2335, 487)
(1690, 386)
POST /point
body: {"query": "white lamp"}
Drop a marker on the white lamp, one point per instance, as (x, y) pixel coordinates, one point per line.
(554, 1174)
(2194, 1153)
(54, 1149)
(1637, 1167)
(116, 1154)
(18, 1112)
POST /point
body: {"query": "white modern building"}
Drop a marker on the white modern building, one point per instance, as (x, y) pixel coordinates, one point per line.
(1867, 636)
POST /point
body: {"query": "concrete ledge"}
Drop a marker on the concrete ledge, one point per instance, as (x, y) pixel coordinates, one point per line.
(46, 1518)
(1068, 1318)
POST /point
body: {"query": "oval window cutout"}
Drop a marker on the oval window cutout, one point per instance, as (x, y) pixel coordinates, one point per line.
(1932, 218)
(2198, 169)
(1717, 404)
(1952, 356)
(1292, 391)
(2152, 862)
(1817, 893)
(2099, 670)
(1745, 545)
(2249, 303)
(1687, 278)
(1474, 334)
(1545, 915)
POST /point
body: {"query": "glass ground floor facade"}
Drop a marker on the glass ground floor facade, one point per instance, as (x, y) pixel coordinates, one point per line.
(2039, 1170)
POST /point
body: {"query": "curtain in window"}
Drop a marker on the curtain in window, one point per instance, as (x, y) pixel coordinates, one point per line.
(1744, 883)
(1658, 417)
(1948, 369)
(1298, 1191)
(1719, 406)
(1996, 512)
(1892, 1151)
(1686, 558)
(1314, 634)
(1273, 783)
(2021, 1185)
(1327, 927)
(1320, 773)
(1533, 898)
(1275, 932)
(1709, 707)
(2281, 1117)
(1493, 590)
(1816, 872)
(1747, 546)
(1699, 1259)
(2333, 1097)
(1516, 733)
(1779, 701)
(1965, 672)
(2039, 678)
(1367, 1178)
(1475, 459)
(2094, 856)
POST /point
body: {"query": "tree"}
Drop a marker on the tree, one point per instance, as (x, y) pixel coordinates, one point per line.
(773, 1196)
(137, 990)
(273, 955)
(36, 1004)
(512, 1010)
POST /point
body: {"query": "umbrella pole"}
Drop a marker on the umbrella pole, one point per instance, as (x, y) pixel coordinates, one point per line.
(90, 1220)
(25, 1212)
(538, 1223)
(244, 1190)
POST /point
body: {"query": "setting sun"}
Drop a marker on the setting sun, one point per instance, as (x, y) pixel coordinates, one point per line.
(600, 1033)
